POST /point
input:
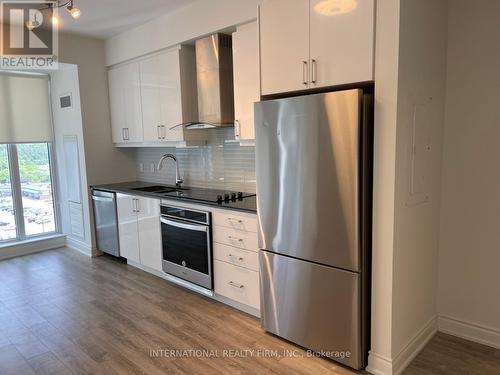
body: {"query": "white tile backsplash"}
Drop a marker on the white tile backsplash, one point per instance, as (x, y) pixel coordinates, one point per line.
(221, 164)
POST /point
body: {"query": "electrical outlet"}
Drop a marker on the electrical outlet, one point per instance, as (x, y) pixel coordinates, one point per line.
(152, 167)
(141, 167)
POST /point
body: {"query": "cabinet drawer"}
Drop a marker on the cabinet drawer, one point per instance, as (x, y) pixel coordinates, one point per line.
(237, 221)
(232, 237)
(236, 256)
(237, 283)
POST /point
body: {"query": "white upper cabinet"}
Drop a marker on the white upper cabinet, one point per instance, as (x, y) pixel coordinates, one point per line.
(284, 45)
(342, 42)
(332, 41)
(246, 79)
(125, 102)
(152, 95)
(161, 94)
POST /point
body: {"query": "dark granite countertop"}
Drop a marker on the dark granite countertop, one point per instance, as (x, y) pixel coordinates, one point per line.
(248, 204)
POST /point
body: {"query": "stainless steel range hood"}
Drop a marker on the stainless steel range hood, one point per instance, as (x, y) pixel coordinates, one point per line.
(214, 76)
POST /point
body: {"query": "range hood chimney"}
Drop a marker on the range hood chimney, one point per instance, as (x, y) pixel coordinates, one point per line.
(214, 76)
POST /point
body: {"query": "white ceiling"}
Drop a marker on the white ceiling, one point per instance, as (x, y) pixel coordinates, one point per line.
(105, 18)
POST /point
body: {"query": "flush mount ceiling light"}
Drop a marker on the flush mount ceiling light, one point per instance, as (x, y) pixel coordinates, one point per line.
(335, 7)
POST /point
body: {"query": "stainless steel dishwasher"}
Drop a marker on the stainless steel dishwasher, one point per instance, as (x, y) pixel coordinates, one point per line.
(106, 222)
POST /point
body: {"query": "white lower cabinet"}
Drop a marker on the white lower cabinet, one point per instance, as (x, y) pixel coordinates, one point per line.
(237, 283)
(148, 220)
(139, 230)
(236, 257)
(236, 238)
(127, 227)
(235, 250)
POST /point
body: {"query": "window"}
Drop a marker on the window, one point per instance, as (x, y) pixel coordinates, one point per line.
(36, 188)
(7, 218)
(27, 205)
(26, 188)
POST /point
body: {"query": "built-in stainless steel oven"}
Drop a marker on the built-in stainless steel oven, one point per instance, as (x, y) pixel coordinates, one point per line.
(187, 244)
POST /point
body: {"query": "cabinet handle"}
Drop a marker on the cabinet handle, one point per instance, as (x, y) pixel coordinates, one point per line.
(137, 205)
(314, 71)
(164, 132)
(158, 130)
(304, 73)
(237, 129)
(233, 256)
(231, 238)
(239, 286)
(231, 221)
(125, 134)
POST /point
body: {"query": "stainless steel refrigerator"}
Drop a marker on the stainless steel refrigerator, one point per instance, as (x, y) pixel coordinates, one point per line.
(314, 183)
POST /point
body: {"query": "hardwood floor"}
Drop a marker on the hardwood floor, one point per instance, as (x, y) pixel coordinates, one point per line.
(447, 354)
(63, 313)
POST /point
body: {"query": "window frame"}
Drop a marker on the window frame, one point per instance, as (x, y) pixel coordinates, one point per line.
(17, 197)
(15, 181)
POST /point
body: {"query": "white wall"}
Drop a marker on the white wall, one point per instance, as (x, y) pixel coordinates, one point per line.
(421, 99)
(105, 163)
(196, 19)
(410, 69)
(68, 122)
(84, 73)
(469, 262)
(386, 94)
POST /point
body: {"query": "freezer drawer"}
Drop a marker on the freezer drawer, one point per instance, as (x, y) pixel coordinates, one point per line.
(312, 305)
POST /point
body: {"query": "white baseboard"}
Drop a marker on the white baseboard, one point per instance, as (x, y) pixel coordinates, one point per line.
(415, 346)
(470, 331)
(80, 246)
(381, 365)
(32, 246)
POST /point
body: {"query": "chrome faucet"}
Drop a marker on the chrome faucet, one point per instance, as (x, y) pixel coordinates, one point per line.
(178, 179)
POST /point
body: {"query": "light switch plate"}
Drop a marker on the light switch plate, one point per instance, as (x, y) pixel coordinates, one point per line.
(141, 167)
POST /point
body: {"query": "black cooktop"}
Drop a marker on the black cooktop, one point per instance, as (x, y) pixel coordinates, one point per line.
(209, 195)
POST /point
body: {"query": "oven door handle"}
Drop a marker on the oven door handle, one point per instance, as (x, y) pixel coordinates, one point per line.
(182, 225)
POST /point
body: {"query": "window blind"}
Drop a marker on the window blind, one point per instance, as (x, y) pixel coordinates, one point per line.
(24, 109)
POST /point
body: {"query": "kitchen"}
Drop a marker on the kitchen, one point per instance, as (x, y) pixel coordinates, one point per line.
(255, 176)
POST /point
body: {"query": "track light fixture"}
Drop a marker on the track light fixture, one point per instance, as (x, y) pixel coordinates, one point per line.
(52, 5)
(74, 11)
